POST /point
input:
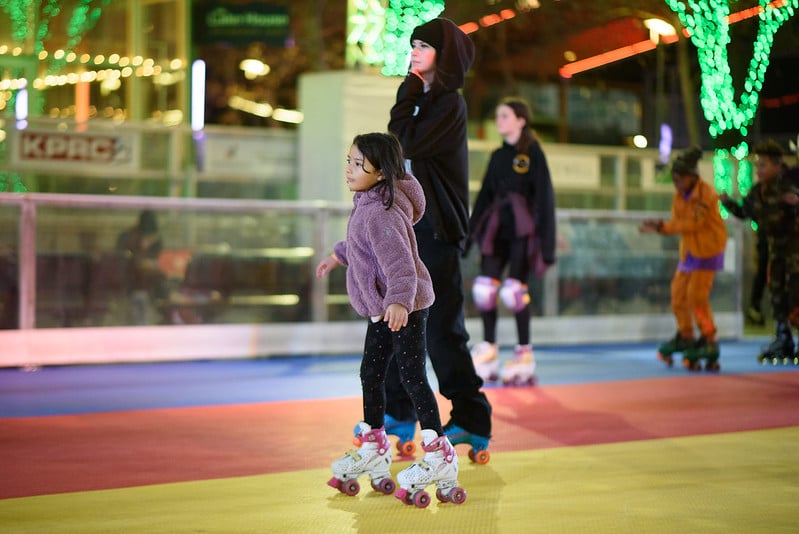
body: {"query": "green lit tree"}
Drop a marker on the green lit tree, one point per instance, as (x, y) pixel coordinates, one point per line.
(729, 114)
(378, 33)
(29, 22)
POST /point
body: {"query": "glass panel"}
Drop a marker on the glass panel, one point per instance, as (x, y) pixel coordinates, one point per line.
(608, 267)
(634, 174)
(212, 267)
(607, 176)
(338, 304)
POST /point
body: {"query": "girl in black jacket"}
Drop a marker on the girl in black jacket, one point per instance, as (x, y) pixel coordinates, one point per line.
(513, 224)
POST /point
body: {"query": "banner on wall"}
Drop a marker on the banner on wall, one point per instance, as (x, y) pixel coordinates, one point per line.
(257, 157)
(240, 24)
(42, 149)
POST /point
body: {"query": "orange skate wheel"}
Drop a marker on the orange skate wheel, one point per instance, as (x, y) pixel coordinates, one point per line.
(479, 457)
(406, 448)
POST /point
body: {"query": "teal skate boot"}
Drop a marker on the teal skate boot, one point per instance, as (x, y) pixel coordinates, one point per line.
(703, 350)
(676, 344)
(479, 451)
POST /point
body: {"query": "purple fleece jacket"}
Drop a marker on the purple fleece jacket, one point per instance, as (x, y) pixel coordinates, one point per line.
(380, 253)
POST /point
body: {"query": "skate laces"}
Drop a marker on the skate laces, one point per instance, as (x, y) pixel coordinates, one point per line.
(442, 446)
(354, 454)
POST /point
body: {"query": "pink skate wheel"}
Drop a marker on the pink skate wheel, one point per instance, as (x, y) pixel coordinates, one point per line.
(351, 487)
(334, 483)
(402, 494)
(421, 499)
(457, 495)
(386, 486)
(443, 497)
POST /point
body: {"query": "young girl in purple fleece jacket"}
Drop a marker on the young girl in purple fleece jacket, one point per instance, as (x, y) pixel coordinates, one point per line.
(387, 282)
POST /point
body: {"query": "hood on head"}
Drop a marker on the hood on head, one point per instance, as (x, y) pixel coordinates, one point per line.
(454, 51)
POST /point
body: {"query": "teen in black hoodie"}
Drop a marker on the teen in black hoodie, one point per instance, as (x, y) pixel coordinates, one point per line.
(429, 118)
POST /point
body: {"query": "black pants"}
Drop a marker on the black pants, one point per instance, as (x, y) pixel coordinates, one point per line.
(446, 343)
(407, 348)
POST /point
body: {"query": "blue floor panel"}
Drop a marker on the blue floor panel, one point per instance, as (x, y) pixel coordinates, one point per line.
(103, 388)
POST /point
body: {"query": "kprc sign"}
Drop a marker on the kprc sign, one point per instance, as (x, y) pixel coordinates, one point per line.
(66, 149)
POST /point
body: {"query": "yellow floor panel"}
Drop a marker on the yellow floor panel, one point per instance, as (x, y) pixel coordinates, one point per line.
(740, 482)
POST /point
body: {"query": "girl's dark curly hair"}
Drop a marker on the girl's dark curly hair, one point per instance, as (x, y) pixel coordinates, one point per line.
(384, 152)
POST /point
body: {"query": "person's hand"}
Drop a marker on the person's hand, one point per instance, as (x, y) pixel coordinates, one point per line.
(792, 199)
(650, 226)
(325, 266)
(396, 316)
(416, 73)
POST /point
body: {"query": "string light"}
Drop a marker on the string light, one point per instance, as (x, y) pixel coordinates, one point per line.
(707, 23)
(402, 16)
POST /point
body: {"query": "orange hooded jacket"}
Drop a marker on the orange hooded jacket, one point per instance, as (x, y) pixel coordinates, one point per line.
(698, 220)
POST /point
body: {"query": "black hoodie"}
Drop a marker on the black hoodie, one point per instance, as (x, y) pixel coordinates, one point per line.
(432, 129)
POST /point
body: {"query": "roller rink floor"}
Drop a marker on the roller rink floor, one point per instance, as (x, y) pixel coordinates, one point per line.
(610, 440)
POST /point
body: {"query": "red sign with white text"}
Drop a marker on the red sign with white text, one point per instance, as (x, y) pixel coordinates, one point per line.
(66, 148)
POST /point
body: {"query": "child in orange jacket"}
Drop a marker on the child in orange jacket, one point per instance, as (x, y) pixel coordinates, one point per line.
(703, 237)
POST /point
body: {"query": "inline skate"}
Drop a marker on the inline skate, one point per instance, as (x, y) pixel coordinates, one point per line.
(485, 357)
(372, 458)
(703, 350)
(781, 350)
(520, 371)
(479, 444)
(439, 467)
(676, 344)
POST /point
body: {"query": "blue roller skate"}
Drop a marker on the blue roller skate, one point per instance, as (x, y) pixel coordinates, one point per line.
(479, 451)
(404, 430)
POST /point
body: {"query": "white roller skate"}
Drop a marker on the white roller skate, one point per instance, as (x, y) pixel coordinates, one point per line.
(373, 458)
(520, 371)
(439, 467)
(485, 357)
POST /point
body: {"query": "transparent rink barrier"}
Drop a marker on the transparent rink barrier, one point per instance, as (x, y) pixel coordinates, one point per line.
(253, 262)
